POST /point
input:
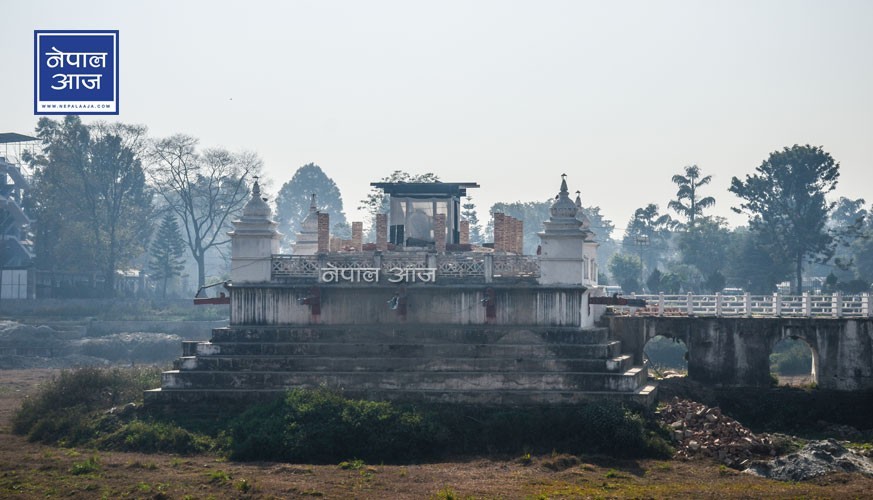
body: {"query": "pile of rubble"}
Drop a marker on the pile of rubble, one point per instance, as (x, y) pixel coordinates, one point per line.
(815, 459)
(700, 431)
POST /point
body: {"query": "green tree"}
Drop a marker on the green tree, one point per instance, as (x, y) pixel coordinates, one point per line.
(167, 250)
(294, 199)
(654, 281)
(714, 282)
(704, 244)
(785, 200)
(751, 266)
(848, 224)
(602, 228)
(205, 189)
(688, 202)
(626, 269)
(93, 206)
(862, 252)
(648, 233)
(468, 212)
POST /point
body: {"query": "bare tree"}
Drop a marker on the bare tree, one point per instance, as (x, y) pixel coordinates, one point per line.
(204, 189)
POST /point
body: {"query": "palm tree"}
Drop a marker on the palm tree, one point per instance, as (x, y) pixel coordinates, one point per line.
(688, 186)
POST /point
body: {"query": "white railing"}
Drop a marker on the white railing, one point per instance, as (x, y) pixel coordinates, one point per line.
(773, 305)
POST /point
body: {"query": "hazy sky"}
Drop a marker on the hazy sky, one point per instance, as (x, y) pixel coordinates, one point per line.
(618, 95)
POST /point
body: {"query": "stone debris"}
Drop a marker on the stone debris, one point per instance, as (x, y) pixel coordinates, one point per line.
(700, 431)
(815, 459)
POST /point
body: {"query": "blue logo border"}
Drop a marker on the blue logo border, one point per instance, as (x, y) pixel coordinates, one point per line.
(36, 111)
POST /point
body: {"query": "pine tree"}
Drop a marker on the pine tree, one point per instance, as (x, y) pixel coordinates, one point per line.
(167, 250)
(469, 212)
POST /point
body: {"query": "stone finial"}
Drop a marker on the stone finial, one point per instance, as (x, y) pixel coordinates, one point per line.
(257, 206)
(563, 206)
(579, 199)
(312, 205)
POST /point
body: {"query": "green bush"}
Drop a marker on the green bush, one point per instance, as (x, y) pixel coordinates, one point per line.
(791, 357)
(154, 437)
(61, 411)
(323, 427)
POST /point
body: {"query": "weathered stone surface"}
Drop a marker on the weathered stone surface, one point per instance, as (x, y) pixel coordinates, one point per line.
(481, 364)
(813, 460)
(736, 351)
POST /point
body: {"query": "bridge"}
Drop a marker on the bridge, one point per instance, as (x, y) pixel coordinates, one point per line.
(806, 305)
(730, 337)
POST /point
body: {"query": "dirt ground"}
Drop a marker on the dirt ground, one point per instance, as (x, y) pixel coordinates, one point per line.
(30, 470)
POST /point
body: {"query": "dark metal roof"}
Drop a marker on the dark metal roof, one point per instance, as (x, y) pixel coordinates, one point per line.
(401, 189)
(7, 137)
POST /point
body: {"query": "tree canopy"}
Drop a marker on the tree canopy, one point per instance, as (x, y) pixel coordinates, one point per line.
(785, 200)
(293, 200)
(205, 189)
(93, 207)
(167, 250)
(688, 202)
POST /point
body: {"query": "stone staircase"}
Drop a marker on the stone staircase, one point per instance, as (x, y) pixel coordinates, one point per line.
(451, 364)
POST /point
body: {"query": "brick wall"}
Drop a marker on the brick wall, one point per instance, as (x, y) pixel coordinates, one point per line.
(439, 232)
(464, 232)
(381, 232)
(323, 232)
(357, 235)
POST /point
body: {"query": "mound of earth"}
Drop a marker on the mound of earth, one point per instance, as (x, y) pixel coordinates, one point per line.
(813, 460)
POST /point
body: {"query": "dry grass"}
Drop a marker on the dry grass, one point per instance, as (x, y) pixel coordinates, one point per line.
(35, 471)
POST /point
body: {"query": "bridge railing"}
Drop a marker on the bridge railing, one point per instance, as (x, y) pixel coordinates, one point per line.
(834, 305)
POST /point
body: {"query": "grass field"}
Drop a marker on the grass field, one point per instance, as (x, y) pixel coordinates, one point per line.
(29, 470)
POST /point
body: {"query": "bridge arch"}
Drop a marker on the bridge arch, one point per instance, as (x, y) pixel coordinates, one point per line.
(788, 351)
(736, 351)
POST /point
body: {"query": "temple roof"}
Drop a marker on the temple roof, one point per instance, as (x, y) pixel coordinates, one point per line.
(257, 207)
(7, 137)
(425, 189)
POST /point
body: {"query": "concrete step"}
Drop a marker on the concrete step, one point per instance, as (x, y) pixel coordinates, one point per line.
(419, 334)
(644, 396)
(405, 350)
(322, 364)
(628, 381)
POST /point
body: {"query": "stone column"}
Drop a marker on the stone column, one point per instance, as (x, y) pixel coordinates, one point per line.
(323, 232)
(381, 232)
(357, 235)
(465, 232)
(439, 232)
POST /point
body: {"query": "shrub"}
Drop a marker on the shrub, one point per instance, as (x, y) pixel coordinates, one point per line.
(154, 437)
(62, 408)
(321, 426)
